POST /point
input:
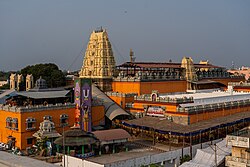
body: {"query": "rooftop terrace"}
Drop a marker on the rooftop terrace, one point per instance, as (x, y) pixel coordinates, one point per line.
(33, 108)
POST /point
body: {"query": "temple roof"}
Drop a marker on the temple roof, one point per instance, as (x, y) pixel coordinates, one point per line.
(77, 137)
(46, 129)
(163, 65)
(111, 134)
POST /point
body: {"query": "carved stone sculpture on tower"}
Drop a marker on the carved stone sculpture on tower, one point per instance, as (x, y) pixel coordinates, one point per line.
(99, 62)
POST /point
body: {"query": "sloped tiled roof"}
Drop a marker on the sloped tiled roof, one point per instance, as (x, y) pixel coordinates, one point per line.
(111, 134)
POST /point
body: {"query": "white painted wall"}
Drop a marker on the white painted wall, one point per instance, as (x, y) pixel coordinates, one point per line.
(77, 162)
(172, 157)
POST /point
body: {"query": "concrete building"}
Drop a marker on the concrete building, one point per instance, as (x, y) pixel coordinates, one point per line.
(240, 143)
(241, 71)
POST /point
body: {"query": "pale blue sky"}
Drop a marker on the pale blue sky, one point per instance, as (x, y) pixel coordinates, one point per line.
(39, 31)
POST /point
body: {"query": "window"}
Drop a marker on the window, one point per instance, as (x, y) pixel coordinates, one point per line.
(15, 123)
(12, 123)
(64, 119)
(30, 123)
(30, 141)
(8, 122)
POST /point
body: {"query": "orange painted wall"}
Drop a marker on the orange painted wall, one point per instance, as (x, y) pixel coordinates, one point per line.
(226, 80)
(163, 87)
(244, 89)
(138, 106)
(5, 132)
(98, 115)
(215, 114)
(121, 101)
(126, 87)
(172, 109)
(22, 134)
(147, 87)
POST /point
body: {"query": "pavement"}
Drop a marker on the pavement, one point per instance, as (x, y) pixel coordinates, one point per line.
(11, 160)
(137, 148)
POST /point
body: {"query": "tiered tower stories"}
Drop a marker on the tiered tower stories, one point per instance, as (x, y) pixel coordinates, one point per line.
(99, 62)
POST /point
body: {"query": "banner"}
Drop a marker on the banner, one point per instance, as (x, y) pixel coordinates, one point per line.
(86, 100)
(77, 93)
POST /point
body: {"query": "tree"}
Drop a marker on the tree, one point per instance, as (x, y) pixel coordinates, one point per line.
(50, 72)
(4, 75)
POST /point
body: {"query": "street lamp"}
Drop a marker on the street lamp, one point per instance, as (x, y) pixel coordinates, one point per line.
(170, 118)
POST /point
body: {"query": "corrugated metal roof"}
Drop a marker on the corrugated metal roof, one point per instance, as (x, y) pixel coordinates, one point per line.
(111, 108)
(7, 92)
(165, 125)
(44, 94)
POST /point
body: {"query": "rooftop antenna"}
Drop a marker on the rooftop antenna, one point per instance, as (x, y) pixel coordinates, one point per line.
(131, 54)
(232, 64)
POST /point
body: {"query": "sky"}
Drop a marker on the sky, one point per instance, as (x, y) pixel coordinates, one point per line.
(57, 31)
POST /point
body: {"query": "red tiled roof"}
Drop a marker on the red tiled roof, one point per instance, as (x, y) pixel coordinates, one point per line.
(163, 65)
(111, 134)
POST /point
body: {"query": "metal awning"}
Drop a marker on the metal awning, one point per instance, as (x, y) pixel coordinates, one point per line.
(112, 110)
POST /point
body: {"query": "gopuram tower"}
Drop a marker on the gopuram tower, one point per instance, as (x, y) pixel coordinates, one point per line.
(99, 62)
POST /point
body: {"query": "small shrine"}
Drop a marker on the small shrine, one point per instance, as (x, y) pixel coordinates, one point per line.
(46, 136)
(78, 143)
(46, 130)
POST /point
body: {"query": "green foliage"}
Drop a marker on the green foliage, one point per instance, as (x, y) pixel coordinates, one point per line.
(41, 143)
(50, 72)
(185, 158)
(4, 75)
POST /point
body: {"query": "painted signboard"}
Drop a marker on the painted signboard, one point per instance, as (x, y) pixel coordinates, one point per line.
(83, 98)
(86, 98)
(155, 111)
(77, 93)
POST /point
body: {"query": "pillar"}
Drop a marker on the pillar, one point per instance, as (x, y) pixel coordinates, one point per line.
(82, 149)
(57, 148)
(113, 149)
(100, 150)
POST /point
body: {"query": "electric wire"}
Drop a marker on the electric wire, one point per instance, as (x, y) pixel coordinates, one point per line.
(77, 57)
(116, 49)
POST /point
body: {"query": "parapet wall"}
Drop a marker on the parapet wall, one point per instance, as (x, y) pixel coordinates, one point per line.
(34, 108)
(118, 94)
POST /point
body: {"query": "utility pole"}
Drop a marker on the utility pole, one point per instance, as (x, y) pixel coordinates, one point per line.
(215, 154)
(170, 133)
(63, 148)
